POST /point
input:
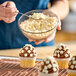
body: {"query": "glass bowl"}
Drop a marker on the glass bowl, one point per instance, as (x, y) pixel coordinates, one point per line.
(36, 35)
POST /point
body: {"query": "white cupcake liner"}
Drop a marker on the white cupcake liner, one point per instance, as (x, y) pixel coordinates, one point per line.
(43, 74)
(62, 59)
(71, 71)
(27, 58)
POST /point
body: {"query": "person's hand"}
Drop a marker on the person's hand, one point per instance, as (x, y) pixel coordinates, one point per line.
(8, 11)
(52, 36)
(50, 13)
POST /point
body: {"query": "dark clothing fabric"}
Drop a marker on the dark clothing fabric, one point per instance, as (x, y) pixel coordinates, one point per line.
(10, 34)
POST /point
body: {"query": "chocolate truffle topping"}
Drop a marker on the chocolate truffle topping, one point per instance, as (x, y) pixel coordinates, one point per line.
(72, 63)
(28, 51)
(48, 65)
(61, 51)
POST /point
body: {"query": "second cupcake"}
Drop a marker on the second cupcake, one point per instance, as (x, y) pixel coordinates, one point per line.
(48, 67)
(27, 56)
(62, 55)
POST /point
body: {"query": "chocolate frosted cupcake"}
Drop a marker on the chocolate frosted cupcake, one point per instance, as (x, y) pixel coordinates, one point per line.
(62, 55)
(27, 56)
(48, 67)
(72, 66)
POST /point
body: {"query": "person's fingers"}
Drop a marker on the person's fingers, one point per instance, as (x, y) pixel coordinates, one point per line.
(44, 12)
(47, 12)
(1, 17)
(11, 20)
(10, 9)
(30, 40)
(8, 14)
(50, 13)
(7, 20)
(59, 27)
(59, 24)
(38, 42)
(2, 11)
(50, 38)
(10, 4)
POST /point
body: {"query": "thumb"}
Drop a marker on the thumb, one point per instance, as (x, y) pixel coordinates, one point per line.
(59, 24)
(11, 4)
(59, 27)
(4, 4)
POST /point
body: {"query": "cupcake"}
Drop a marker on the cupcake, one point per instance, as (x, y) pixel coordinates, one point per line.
(72, 66)
(27, 56)
(48, 67)
(62, 56)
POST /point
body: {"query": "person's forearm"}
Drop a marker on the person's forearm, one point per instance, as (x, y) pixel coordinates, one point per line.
(61, 8)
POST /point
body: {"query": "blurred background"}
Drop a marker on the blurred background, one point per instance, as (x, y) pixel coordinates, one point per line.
(68, 32)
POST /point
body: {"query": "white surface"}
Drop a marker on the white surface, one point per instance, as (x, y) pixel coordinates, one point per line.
(71, 71)
(52, 74)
